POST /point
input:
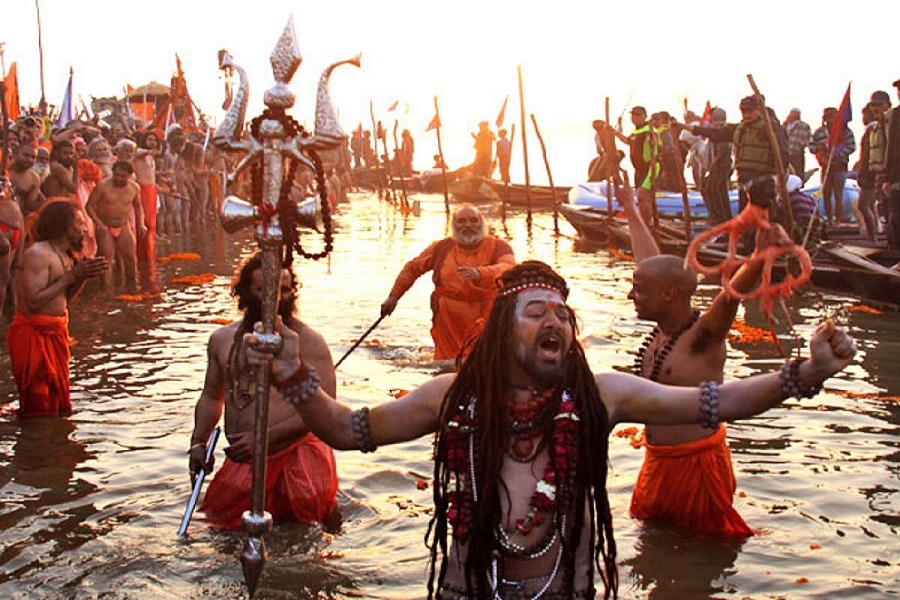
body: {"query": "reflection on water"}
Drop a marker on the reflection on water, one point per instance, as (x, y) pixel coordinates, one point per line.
(91, 504)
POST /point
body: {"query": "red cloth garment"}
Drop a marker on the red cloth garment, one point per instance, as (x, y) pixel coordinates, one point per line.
(39, 356)
(146, 245)
(301, 483)
(690, 485)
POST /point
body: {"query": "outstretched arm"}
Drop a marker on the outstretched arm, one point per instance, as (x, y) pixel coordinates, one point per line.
(407, 418)
(630, 398)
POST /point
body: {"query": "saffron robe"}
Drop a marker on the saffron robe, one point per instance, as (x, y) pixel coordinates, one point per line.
(301, 483)
(39, 356)
(690, 485)
(459, 306)
(146, 245)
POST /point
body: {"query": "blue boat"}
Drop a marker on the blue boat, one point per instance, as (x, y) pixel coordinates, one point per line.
(594, 194)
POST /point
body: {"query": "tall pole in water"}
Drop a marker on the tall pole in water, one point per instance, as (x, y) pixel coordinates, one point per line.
(37, 8)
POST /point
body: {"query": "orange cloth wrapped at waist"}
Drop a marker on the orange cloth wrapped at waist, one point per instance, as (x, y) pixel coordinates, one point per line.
(690, 485)
(301, 483)
(39, 357)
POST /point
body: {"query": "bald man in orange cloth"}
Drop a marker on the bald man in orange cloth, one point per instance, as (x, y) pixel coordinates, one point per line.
(38, 338)
(465, 268)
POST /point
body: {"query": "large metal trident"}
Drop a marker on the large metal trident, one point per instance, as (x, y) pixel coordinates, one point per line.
(274, 140)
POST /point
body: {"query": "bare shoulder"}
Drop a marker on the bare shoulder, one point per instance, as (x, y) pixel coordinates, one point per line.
(310, 339)
(134, 186)
(36, 256)
(222, 337)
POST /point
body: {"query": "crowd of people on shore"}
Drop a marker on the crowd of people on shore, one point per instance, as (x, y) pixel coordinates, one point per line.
(711, 149)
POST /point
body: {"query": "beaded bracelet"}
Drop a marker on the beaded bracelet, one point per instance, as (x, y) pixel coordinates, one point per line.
(300, 392)
(362, 430)
(790, 381)
(709, 404)
(299, 376)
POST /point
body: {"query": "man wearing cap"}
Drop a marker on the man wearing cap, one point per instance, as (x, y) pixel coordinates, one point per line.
(799, 133)
(754, 159)
(891, 184)
(872, 160)
(644, 148)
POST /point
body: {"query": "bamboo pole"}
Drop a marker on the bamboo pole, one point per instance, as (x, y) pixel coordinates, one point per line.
(524, 147)
(610, 181)
(37, 8)
(540, 138)
(404, 200)
(781, 184)
(437, 115)
(378, 173)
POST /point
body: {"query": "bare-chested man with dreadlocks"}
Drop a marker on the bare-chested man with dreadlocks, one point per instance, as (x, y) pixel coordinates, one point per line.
(521, 450)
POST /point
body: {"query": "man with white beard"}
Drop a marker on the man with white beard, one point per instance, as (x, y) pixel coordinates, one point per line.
(466, 267)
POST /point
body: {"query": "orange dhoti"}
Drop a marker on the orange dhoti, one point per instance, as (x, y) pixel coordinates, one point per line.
(146, 245)
(690, 485)
(457, 320)
(39, 356)
(301, 483)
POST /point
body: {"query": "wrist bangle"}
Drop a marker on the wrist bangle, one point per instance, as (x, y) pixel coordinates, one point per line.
(362, 430)
(303, 389)
(790, 381)
(709, 404)
(296, 377)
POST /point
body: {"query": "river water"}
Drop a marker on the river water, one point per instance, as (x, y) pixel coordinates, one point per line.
(89, 506)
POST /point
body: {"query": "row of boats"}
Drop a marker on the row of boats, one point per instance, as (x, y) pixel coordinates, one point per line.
(843, 261)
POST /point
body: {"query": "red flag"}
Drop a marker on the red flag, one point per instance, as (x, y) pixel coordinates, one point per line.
(707, 115)
(434, 124)
(502, 115)
(11, 87)
(837, 137)
(393, 106)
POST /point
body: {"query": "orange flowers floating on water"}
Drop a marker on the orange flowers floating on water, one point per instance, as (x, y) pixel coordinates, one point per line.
(635, 435)
(398, 393)
(747, 334)
(618, 253)
(179, 256)
(421, 484)
(136, 297)
(867, 396)
(195, 279)
(863, 308)
(221, 321)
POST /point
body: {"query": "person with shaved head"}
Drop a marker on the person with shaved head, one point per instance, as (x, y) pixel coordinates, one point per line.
(687, 478)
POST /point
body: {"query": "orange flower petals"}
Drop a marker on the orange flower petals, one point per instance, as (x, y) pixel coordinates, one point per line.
(179, 256)
(801, 580)
(815, 547)
(747, 334)
(862, 308)
(195, 279)
(421, 484)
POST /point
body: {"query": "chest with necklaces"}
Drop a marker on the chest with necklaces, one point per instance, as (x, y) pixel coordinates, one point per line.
(242, 381)
(660, 353)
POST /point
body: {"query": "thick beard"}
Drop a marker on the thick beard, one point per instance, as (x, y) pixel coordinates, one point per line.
(468, 239)
(77, 244)
(542, 373)
(253, 312)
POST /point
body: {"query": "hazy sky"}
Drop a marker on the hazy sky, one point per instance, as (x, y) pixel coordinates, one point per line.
(466, 52)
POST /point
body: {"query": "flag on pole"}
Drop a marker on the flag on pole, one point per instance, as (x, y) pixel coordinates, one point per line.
(435, 123)
(837, 137)
(67, 108)
(706, 119)
(502, 115)
(11, 91)
(393, 106)
(170, 120)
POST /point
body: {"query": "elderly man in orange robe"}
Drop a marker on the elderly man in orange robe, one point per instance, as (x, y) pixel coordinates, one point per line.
(465, 268)
(38, 338)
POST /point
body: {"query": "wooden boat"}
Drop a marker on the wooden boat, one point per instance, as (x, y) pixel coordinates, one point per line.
(867, 271)
(480, 190)
(596, 227)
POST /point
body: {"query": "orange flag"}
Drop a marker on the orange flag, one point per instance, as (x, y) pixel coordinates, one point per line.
(11, 91)
(434, 124)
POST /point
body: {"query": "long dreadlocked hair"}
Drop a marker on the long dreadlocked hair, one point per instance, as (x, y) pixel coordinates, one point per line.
(484, 376)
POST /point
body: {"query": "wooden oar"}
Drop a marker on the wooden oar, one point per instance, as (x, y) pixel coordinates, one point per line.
(359, 341)
(779, 164)
(524, 147)
(540, 138)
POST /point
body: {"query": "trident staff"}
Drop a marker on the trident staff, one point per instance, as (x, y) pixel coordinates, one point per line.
(274, 141)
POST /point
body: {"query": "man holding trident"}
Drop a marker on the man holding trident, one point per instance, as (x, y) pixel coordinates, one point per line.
(274, 137)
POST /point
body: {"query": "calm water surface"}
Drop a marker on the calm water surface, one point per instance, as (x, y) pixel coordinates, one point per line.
(89, 506)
